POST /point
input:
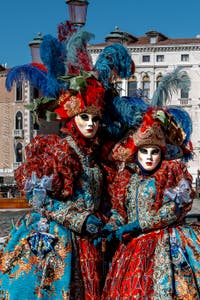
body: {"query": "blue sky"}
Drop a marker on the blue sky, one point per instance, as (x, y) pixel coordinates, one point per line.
(21, 20)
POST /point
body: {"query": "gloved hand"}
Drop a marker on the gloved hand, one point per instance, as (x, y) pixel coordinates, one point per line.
(93, 225)
(107, 229)
(97, 241)
(107, 233)
(133, 227)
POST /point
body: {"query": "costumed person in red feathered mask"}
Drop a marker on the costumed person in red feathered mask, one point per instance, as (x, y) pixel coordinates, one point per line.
(50, 254)
(158, 254)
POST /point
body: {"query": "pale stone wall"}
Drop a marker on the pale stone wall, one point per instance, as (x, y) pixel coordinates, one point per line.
(6, 126)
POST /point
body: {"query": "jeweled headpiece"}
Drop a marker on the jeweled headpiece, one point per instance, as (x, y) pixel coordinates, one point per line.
(153, 123)
(158, 128)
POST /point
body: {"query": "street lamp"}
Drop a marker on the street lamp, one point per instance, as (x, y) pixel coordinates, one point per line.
(35, 48)
(77, 11)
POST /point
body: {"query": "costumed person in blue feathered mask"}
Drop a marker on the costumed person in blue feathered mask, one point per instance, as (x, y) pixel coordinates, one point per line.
(49, 254)
(158, 254)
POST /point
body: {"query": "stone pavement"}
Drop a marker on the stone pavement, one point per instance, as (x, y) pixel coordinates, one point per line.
(8, 218)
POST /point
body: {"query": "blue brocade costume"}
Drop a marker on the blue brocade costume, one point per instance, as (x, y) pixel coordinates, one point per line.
(47, 255)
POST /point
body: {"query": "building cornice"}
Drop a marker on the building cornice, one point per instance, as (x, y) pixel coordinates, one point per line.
(167, 48)
(139, 49)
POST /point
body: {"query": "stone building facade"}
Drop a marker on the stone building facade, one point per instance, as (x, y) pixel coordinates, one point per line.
(14, 128)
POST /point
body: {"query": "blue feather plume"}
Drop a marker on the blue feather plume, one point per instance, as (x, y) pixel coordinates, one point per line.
(169, 84)
(130, 110)
(27, 72)
(52, 54)
(123, 113)
(78, 42)
(174, 152)
(183, 119)
(113, 57)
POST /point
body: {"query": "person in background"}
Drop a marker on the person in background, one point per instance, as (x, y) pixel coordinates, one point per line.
(158, 254)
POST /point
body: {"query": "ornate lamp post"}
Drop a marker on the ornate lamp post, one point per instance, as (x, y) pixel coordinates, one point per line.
(35, 48)
(77, 11)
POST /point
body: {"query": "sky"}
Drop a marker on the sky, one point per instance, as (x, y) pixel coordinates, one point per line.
(22, 20)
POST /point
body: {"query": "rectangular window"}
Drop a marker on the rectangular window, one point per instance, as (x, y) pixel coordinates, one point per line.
(160, 58)
(146, 58)
(184, 57)
(153, 40)
(184, 94)
(19, 91)
(146, 89)
(132, 86)
(184, 100)
(34, 92)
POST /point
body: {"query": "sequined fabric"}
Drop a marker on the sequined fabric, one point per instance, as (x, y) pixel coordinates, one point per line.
(49, 257)
(162, 262)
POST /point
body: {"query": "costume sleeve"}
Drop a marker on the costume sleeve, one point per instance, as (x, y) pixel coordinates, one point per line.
(51, 155)
(66, 169)
(117, 192)
(72, 214)
(39, 159)
(154, 216)
(154, 219)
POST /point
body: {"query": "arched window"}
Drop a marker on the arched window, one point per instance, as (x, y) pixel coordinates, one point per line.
(185, 92)
(132, 86)
(158, 79)
(18, 120)
(18, 152)
(184, 100)
(146, 86)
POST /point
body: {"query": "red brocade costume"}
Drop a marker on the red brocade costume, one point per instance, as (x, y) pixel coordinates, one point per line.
(163, 262)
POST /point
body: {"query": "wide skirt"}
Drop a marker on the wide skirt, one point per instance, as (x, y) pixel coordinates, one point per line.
(53, 265)
(162, 264)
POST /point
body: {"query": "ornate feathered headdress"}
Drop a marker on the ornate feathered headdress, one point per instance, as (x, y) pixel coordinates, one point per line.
(155, 123)
(68, 80)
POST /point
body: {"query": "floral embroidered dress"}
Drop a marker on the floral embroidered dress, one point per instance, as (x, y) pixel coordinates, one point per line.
(163, 262)
(47, 255)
